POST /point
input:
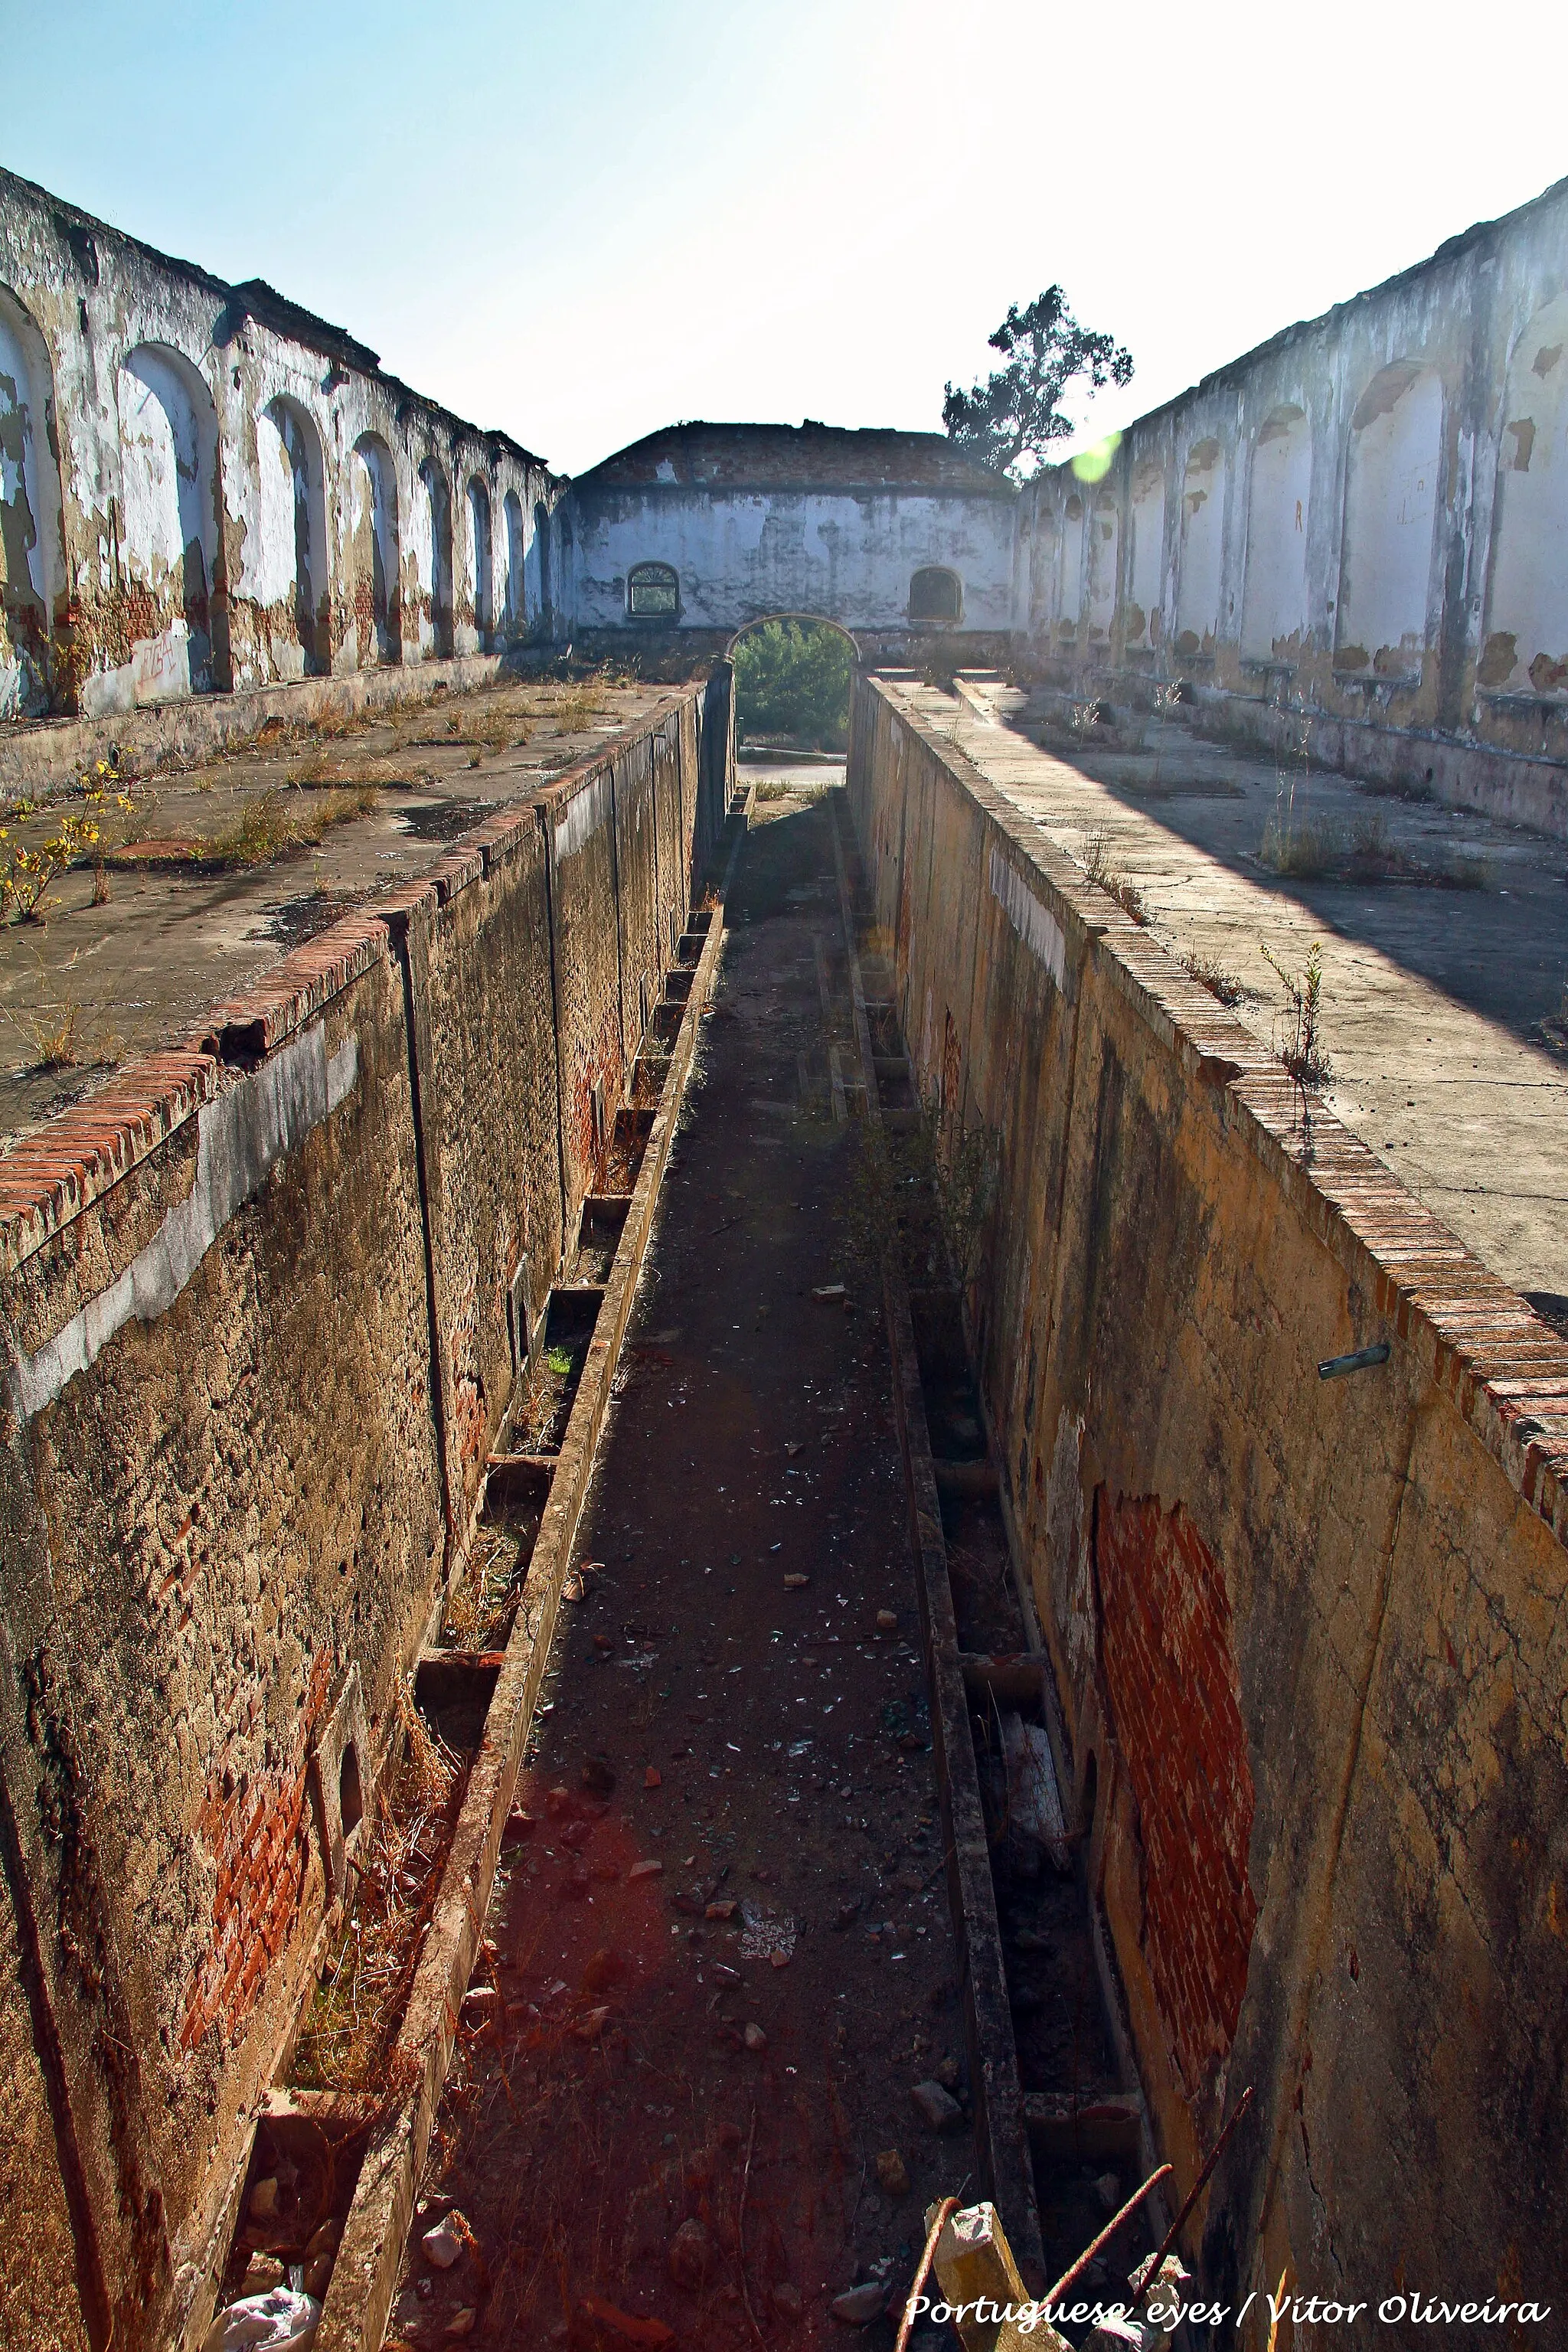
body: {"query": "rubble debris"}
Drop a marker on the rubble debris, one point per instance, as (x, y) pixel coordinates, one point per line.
(796, 1582)
(282, 2321)
(755, 2037)
(887, 1621)
(830, 1292)
(892, 2173)
(937, 2109)
(445, 2243)
(653, 1778)
(648, 1869)
(652, 2335)
(1034, 1801)
(860, 2304)
(691, 2252)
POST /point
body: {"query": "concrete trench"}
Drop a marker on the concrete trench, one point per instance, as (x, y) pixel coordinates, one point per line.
(708, 1814)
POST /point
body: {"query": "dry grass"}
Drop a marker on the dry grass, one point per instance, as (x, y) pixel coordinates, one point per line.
(1210, 973)
(364, 1990)
(1102, 870)
(1299, 850)
(273, 823)
(480, 1606)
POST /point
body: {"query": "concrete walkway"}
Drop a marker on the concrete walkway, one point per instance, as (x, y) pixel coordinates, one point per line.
(1446, 1007)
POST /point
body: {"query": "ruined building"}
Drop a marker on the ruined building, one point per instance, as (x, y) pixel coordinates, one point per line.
(269, 1284)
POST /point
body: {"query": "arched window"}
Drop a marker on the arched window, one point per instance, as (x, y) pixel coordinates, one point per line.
(653, 592)
(291, 569)
(1274, 596)
(935, 594)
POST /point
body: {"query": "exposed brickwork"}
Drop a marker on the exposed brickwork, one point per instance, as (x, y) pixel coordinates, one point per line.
(1169, 1666)
(255, 1828)
(53, 1174)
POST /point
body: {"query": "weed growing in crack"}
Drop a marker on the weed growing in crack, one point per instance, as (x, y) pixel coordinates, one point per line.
(1224, 985)
(1301, 1050)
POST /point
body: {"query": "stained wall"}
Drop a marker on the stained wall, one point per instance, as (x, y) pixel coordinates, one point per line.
(1307, 1635)
(254, 1299)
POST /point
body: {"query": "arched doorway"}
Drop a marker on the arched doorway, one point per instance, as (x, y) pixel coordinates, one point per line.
(793, 672)
(481, 562)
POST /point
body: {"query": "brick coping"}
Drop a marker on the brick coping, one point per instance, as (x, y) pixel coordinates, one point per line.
(53, 1175)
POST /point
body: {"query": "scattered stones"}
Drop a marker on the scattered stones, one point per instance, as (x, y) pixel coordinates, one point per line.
(653, 1778)
(264, 2201)
(480, 2004)
(861, 2304)
(558, 1800)
(779, 1959)
(893, 2173)
(646, 1870)
(462, 2322)
(794, 1583)
(847, 1914)
(787, 2300)
(590, 2026)
(946, 2071)
(755, 2037)
(1108, 2188)
(830, 1293)
(690, 2252)
(443, 2244)
(574, 1589)
(887, 1621)
(936, 2107)
(721, 1910)
(791, 1448)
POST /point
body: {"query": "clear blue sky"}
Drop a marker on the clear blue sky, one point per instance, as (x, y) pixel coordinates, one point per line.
(581, 220)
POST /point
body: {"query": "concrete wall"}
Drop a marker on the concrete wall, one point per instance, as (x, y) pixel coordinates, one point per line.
(203, 487)
(1307, 1635)
(1351, 537)
(738, 555)
(253, 1300)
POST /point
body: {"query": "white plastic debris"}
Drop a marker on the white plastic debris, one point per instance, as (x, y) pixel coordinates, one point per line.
(1033, 1796)
(280, 2321)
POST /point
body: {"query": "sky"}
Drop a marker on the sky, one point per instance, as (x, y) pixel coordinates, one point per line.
(581, 222)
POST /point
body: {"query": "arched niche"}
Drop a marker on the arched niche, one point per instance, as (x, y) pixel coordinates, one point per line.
(516, 557)
(1274, 588)
(290, 572)
(1142, 622)
(1104, 546)
(1069, 590)
(168, 528)
(434, 556)
(1525, 647)
(480, 557)
(541, 545)
(30, 544)
(1044, 564)
(1391, 510)
(1201, 548)
(373, 554)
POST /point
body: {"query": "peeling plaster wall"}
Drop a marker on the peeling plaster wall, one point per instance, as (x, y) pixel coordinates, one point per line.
(154, 422)
(1307, 1635)
(741, 555)
(1359, 530)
